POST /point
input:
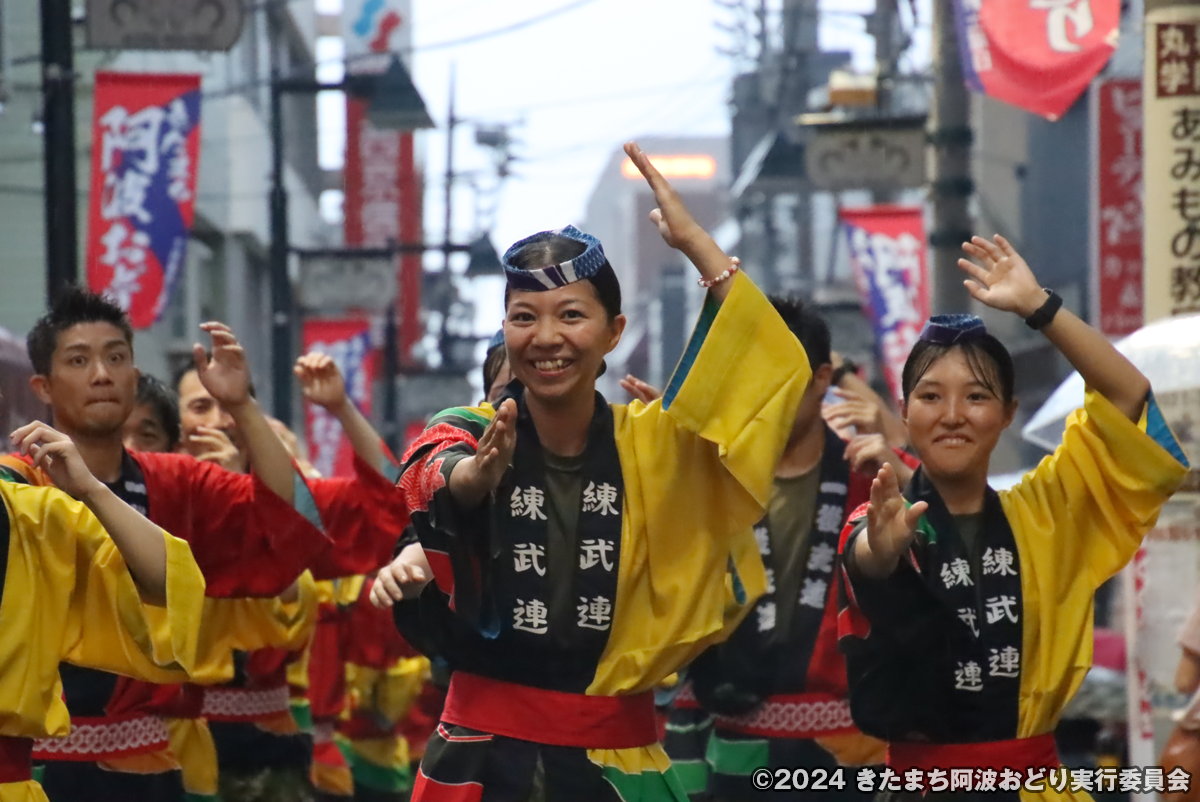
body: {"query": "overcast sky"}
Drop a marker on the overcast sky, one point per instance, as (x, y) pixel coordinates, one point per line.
(574, 88)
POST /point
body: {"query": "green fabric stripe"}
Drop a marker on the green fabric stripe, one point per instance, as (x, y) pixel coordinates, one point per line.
(372, 775)
(464, 418)
(736, 758)
(707, 315)
(302, 713)
(305, 504)
(649, 786)
(693, 775)
(38, 773)
(694, 727)
(924, 527)
(10, 475)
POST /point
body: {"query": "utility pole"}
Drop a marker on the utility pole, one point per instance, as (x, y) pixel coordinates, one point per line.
(281, 287)
(451, 124)
(881, 24)
(58, 142)
(949, 166)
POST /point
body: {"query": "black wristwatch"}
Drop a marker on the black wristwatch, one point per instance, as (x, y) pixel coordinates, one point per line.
(1046, 312)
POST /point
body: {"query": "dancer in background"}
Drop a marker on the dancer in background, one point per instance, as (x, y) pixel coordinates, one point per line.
(966, 614)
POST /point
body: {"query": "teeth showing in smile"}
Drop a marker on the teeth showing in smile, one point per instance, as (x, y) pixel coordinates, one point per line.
(551, 364)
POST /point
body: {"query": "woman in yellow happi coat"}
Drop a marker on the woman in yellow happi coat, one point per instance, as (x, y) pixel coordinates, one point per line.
(966, 614)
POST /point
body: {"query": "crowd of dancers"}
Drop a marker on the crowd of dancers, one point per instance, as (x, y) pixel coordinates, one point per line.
(551, 597)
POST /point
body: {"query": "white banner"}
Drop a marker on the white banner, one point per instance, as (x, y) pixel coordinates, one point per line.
(1171, 100)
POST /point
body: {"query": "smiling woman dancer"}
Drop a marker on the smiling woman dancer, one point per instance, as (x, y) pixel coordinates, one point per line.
(583, 546)
(967, 615)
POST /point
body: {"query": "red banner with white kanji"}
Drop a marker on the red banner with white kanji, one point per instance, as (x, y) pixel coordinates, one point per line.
(1039, 55)
(1117, 267)
(145, 146)
(887, 253)
(348, 341)
(383, 206)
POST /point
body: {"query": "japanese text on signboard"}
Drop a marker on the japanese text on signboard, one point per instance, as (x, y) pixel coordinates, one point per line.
(1177, 76)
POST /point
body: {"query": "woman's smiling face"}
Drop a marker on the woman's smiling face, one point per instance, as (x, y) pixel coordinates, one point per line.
(557, 339)
(954, 418)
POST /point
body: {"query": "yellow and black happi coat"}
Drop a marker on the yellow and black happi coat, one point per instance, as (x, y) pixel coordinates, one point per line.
(668, 492)
(966, 659)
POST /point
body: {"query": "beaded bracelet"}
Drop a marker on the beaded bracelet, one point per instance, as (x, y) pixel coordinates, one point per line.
(709, 283)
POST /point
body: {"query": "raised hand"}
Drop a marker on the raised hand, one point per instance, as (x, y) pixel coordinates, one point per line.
(643, 391)
(867, 453)
(891, 525)
(675, 223)
(55, 453)
(213, 445)
(226, 375)
(321, 381)
(854, 410)
(403, 578)
(1003, 279)
(476, 476)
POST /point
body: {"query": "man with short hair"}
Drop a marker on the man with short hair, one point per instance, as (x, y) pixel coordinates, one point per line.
(154, 423)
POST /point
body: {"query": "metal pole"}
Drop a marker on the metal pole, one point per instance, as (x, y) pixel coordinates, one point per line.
(281, 288)
(451, 123)
(391, 390)
(58, 119)
(950, 166)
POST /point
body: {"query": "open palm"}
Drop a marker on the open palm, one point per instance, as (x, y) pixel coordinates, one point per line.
(225, 375)
(1002, 280)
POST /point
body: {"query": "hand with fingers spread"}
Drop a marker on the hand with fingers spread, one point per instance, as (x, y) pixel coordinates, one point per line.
(855, 410)
(643, 391)
(321, 381)
(891, 527)
(1002, 279)
(403, 578)
(476, 476)
(225, 375)
(55, 453)
(213, 445)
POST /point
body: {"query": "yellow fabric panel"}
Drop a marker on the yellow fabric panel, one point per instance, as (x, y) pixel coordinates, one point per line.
(697, 477)
(632, 761)
(69, 596)
(1077, 519)
(245, 624)
(22, 792)
(389, 693)
(196, 752)
(347, 590)
(332, 780)
(389, 753)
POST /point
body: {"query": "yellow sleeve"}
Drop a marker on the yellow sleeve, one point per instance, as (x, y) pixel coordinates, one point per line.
(391, 693)
(107, 626)
(1089, 504)
(739, 383)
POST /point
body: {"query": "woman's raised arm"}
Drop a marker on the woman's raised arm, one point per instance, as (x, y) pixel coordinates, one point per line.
(1004, 281)
(680, 230)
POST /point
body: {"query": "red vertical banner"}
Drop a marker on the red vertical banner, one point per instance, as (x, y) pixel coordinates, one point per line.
(887, 253)
(145, 145)
(1116, 285)
(348, 341)
(383, 205)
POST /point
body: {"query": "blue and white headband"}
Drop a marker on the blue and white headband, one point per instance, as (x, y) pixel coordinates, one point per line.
(953, 329)
(497, 340)
(551, 277)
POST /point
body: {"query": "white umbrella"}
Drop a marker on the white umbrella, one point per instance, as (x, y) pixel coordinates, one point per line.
(1166, 351)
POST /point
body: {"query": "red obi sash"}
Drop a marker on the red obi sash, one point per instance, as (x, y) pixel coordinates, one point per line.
(16, 759)
(105, 738)
(1018, 754)
(550, 717)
